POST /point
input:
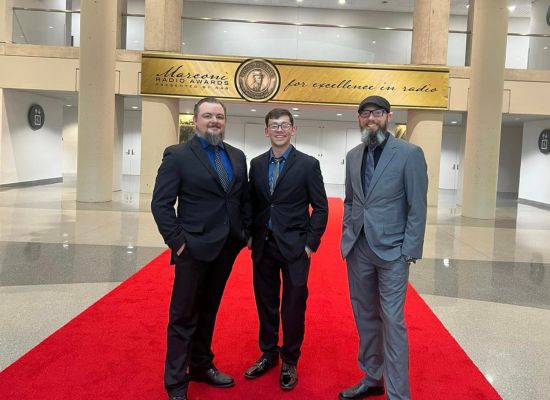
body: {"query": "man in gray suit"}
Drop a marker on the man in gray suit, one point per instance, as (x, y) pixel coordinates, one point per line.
(383, 232)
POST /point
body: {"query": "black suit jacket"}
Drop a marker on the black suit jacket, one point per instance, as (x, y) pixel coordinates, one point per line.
(299, 185)
(206, 215)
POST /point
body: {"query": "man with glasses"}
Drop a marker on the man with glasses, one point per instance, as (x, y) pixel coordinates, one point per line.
(284, 183)
(383, 232)
(207, 177)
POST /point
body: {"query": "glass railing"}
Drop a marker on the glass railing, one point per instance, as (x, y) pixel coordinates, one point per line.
(46, 27)
(380, 45)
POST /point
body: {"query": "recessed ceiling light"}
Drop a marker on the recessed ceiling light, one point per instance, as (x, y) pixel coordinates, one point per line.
(295, 109)
(296, 115)
(50, 27)
(339, 114)
(454, 122)
(341, 1)
(467, 6)
(374, 42)
(134, 107)
(299, 1)
(545, 48)
(183, 43)
(253, 109)
(511, 8)
(68, 105)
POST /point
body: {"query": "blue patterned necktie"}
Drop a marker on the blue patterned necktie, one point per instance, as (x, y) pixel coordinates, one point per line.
(222, 173)
(369, 171)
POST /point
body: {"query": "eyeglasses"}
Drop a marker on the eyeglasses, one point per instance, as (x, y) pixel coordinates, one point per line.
(285, 126)
(375, 113)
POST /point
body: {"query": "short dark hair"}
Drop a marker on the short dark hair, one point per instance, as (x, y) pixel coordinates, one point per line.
(209, 99)
(277, 113)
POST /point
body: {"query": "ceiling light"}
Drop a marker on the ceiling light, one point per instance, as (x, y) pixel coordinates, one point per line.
(295, 109)
(374, 42)
(467, 6)
(299, 1)
(511, 8)
(296, 115)
(545, 48)
(50, 27)
(68, 105)
(253, 109)
(134, 107)
(454, 122)
(339, 114)
(341, 1)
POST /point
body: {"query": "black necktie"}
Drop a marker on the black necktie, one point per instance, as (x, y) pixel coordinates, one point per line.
(222, 173)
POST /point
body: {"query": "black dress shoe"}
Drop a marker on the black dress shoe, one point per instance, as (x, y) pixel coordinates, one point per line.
(289, 376)
(178, 397)
(213, 377)
(360, 391)
(260, 367)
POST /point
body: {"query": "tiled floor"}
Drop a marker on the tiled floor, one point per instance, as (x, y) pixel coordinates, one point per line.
(488, 281)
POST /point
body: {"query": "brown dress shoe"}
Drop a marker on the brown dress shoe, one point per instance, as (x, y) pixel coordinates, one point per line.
(289, 376)
(260, 367)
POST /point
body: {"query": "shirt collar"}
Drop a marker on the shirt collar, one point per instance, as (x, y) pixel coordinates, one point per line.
(285, 154)
(205, 144)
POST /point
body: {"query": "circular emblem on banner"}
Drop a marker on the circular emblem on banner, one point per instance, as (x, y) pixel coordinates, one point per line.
(257, 80)
(36, 117)
(544, 139)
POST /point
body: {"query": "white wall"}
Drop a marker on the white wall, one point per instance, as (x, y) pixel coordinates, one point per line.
(535, 166)
(28, 155)
(70, 139)
(509, 159)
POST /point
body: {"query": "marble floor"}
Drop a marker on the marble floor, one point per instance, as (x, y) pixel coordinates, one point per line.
(488, 281)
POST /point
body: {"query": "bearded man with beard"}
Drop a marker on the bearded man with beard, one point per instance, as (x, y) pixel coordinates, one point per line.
(208, 179)
(383, 232)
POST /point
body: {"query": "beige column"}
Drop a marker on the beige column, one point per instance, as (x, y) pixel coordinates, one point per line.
(6, 20)
(96, 100)
(159, 116)
(429, 47)
(481, 151)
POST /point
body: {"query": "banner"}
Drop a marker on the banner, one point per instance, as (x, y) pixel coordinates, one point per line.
(287, 81)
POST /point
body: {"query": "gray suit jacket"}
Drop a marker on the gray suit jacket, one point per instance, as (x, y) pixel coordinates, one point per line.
(393, 212)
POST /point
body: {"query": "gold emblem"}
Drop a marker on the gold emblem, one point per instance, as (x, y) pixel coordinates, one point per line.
(257, 80)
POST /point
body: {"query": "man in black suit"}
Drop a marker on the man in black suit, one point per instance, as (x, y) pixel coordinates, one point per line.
(208, 179)
(284, 183)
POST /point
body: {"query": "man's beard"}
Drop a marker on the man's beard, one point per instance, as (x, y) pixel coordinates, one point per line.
(213, 139)
(369, 137)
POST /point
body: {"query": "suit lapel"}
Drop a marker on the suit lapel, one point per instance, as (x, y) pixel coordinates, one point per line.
(385, 158)
(234, 166)
(261, 174)
(357, 179)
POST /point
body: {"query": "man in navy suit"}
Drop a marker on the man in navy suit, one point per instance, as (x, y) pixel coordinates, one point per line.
(284, 183)
(208, 179)
(383, 232)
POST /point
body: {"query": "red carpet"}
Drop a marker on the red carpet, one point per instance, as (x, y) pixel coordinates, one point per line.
(115, 349)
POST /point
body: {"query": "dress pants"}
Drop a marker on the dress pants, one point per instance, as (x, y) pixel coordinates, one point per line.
(377, 290)
(196, 297)
(267, 286)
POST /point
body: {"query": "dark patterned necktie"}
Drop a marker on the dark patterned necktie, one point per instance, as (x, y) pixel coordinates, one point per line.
(369, 171)
(275, 174)
(222, 173)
